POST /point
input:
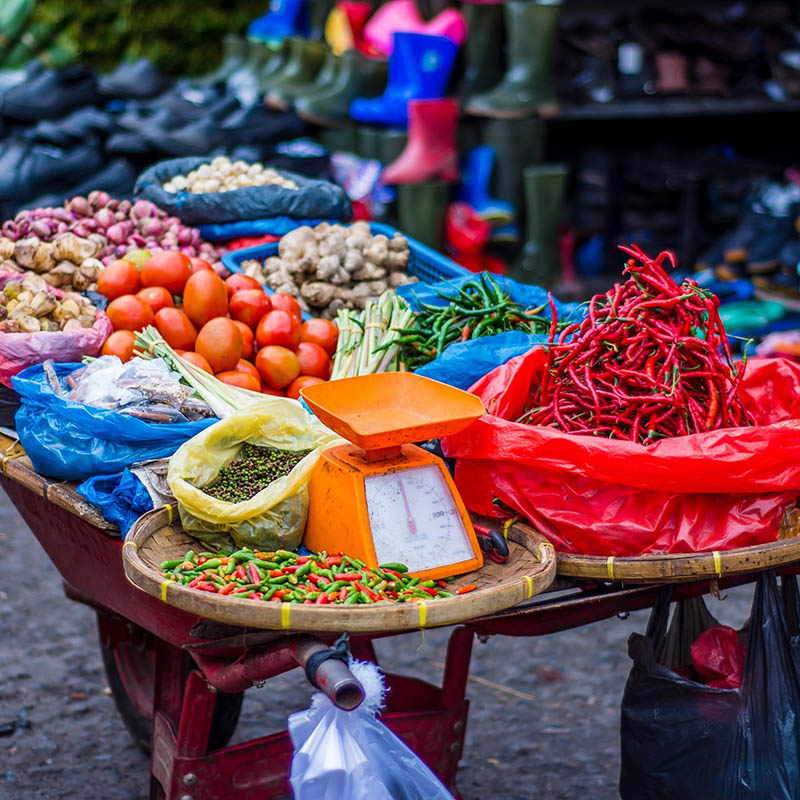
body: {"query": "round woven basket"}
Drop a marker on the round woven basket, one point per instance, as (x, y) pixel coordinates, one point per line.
(530, 569)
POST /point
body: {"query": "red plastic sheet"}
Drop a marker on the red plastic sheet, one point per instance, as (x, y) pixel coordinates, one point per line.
(718, 657)
(599, 496)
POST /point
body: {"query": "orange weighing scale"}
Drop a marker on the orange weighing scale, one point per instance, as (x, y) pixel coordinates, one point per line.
(381, 498)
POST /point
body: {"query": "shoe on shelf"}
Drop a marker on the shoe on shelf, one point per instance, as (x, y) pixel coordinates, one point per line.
(431, 151)
(301, 66)
(356, 76)
(234, 49)
(318, 77)
(137, 80)
(398, 16)
(475, 190)
(528, 86)
(483, 51)
(419, 69)
(284, 18)
(344, 28)
(82, 125)
(51, 95)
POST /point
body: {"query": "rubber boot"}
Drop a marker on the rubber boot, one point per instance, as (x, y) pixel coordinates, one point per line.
(528, 86)
(284, 18)
(403, 16)
(339, 140)
(421, 209)
(274, 64)
(282, 97)
(301, 67)
(35, 39)
(368, 143)
(14, 18)
(544, 193)
(431, 149)
(344, 28)
(391, 143)
(234, 51)
(245, 82)
(476, 182)
(419, 69)
(318, 11)
(516, 144)
(483, 55)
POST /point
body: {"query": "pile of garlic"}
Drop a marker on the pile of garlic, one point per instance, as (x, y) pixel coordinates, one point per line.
(28, 306)
(224, 175)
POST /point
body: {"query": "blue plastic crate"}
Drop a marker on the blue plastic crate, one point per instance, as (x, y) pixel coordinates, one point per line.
(424, 262)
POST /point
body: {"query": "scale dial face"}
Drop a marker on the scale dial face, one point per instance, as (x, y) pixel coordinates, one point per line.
(415, 520)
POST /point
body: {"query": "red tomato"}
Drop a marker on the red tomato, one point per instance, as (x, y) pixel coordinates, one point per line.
(248, 340)
(198, 264)
(118, 278)
(242, 379)
(280, 328)
(322, 332)
(249, 305)
(196, 359)
(129, 313)
(220, 342)
(157, 297)
(204, 297)
(313, 360)
(176, 329)
(293, 389)
(169, 269)
(249, 369)
(278, 366)
(236, 282)
(285, 302)
(119, 344)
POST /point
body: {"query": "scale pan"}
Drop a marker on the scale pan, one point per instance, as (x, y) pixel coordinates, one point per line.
(391, 408)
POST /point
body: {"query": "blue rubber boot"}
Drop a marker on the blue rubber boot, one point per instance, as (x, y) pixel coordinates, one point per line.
(419, 69)
(284, 18)
(476, 179)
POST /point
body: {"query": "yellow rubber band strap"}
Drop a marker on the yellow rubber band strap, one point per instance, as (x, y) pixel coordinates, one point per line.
(169, 512)
(506, 525)
(128, 544)
(610, 567)
(164, 585)
(286, 612)
(539, 549)
(530, 586)
(423, 613)
(151, 347)
(717, 563)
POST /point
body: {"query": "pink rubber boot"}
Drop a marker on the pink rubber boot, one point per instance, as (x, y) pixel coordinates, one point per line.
(431, 149)
(397, 15)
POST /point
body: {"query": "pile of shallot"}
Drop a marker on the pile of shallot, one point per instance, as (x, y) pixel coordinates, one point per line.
(116, 226)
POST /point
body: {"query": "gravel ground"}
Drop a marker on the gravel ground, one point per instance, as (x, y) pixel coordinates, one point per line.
(544, 712)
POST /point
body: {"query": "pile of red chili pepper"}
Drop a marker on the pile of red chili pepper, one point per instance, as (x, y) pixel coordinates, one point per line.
(650, 361)
(287, 577)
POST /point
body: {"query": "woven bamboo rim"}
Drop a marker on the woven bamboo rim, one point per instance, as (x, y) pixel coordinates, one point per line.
(154, 538)
(16, 466)
(683, 567)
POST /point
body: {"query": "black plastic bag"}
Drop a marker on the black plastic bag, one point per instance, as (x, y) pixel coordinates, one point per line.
(683, 739)
(313, 199)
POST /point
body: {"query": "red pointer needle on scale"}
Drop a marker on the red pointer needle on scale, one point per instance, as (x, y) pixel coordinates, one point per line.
(412, 526)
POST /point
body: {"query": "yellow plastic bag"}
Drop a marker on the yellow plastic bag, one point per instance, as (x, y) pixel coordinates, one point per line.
(273, 519)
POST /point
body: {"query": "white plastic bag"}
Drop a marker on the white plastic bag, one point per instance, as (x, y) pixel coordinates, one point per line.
(351, 755)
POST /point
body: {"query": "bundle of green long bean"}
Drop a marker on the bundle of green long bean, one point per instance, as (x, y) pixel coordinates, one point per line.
(368, 341)
(479, 308)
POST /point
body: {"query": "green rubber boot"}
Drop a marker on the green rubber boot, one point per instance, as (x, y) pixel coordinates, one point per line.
(391, 142)
(339, 140)
(32, 41)
(528, 87)
(301, 67)
(274, 64)
(358, 76)
(368, 143)
(483, 55)
(234, 53)
(14, 17)
(282, 97)
(421, 209)
(540, 260)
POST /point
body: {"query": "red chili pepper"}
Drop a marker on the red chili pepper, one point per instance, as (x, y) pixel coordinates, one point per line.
(321, 600)
(256, 596)
(470, 587)
(206, 587)
(333, 561)
(348, 576)
(465, 333)
(202, 560)
(367, 591)
(302, 560)
(227, 589)
(240, 574)
(314, 578)
(291, 569)
(276, 573)
(429, 590)
(194, 582)
(282, 593)
(253, 572)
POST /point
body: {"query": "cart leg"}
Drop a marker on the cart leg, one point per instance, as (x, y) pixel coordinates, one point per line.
(456, 668)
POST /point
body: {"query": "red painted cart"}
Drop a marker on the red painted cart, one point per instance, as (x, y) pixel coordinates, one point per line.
(178, 680)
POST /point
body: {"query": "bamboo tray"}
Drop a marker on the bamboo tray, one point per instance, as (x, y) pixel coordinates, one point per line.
(683, 567)
(530, 569)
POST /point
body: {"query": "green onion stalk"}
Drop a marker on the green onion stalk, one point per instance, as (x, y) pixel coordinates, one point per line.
(368, 341)
(220, 397)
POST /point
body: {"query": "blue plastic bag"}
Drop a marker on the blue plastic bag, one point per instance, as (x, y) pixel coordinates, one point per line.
(72, 441)
(120, 498)
(463, 363)
(272, 226)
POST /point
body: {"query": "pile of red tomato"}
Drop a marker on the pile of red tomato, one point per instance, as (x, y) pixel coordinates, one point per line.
(230, 328)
